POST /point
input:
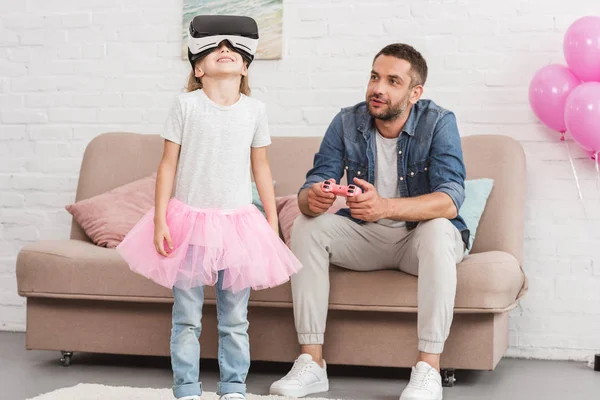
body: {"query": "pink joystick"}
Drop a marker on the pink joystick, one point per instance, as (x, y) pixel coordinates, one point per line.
(340, 190)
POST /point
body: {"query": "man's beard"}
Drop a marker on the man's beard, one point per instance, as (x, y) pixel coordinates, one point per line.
(393, 111)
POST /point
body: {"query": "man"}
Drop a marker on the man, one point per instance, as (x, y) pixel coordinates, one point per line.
(405, 154)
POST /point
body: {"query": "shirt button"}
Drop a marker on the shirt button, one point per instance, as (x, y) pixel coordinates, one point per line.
(412, 174)
(346, 167)
(400, 152)
(358, 173)
(401, 178)
(425, 168)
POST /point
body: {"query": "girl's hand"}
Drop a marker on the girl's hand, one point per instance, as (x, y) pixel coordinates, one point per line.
(162, 233)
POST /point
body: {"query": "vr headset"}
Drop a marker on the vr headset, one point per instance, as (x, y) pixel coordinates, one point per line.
(207, 31)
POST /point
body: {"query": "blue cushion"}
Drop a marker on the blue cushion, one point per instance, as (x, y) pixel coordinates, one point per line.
(477, 192)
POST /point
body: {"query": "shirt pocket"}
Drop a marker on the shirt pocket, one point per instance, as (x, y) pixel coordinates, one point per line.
(355, 169)
(417, 177)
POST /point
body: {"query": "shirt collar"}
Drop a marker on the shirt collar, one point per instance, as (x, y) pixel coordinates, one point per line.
(367, 122)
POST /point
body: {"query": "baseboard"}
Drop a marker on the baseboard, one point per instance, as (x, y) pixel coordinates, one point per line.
(580, 355)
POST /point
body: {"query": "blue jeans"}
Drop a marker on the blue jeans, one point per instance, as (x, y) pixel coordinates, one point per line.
(234, 347)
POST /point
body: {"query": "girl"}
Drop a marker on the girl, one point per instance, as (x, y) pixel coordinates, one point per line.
(209, 233)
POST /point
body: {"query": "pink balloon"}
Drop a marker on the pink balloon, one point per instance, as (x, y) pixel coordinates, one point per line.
(582, 114)
(548, 92)
(582, 48)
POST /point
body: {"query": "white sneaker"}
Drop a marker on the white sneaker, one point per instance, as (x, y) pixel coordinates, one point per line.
(425, 384)
(233, 396)
(306, 377)
(189, 398)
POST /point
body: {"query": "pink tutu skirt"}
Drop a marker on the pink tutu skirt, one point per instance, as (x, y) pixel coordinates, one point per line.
(240, 243)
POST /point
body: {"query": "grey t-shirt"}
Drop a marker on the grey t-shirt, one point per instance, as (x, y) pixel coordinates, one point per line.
(386, 175)
(214, 162)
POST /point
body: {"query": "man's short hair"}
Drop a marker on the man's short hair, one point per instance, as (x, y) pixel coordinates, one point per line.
(418, 69)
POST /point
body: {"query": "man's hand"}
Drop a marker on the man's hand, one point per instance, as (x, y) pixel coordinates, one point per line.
(319, 201)
(368, 206)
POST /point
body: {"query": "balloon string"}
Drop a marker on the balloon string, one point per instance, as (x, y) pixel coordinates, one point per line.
(574, 170)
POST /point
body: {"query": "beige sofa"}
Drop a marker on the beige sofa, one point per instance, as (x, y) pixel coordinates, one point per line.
(84, 298)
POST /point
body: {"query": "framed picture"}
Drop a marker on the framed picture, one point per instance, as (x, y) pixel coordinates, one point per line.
(267, 13)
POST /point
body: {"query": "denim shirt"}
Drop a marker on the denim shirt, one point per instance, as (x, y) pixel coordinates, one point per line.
(430, 155)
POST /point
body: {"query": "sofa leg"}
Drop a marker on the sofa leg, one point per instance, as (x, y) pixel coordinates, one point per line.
(66, 358)
(448, 378)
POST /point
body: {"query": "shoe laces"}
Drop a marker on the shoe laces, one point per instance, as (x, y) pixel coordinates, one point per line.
(419, 379)
(298, 368)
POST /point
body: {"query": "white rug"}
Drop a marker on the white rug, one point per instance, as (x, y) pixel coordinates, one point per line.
(86, 391)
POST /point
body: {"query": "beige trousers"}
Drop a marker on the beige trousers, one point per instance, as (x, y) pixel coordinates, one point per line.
(430, 251)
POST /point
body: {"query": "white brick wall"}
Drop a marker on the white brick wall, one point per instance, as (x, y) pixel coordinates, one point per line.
(70, 70)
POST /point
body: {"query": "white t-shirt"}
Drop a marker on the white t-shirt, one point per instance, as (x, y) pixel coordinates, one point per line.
(386, 176)
(214, 163)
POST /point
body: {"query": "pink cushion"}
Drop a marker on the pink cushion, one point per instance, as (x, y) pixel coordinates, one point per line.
(108, 217)
(288, 211)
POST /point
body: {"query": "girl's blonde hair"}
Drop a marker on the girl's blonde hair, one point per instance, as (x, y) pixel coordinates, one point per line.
(195, 83)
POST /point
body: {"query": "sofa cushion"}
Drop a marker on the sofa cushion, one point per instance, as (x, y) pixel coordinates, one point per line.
(108, 217)
(78, 269)
(486, 281)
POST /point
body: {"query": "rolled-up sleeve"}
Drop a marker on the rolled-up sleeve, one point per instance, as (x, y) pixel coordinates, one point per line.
(329, 160)
(447, 171)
